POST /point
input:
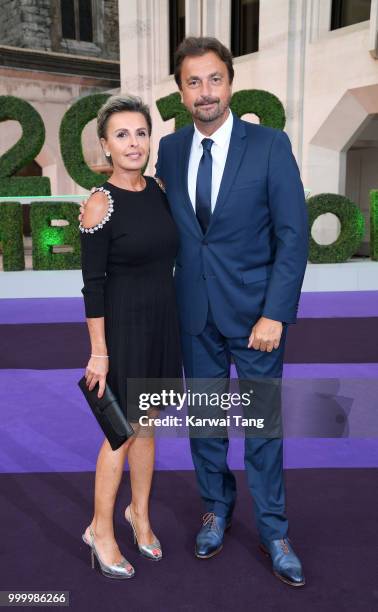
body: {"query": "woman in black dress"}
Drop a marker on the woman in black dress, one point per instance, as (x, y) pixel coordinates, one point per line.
(129, 242)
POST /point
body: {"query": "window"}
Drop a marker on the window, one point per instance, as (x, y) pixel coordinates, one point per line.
(176, 28)
(244, 26)
(347, 12)
(77, 19)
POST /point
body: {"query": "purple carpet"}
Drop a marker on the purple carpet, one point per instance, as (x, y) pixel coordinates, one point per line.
(49, 427)
(44, 348)
(314, 305)
(49, 443)
(333, 528)
(66, 345)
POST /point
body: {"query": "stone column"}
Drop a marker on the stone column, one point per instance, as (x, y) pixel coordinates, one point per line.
(216, 20)
(143, 29)
(144, 56)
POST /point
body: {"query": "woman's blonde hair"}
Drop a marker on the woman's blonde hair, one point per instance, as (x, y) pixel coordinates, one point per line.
(119, 104)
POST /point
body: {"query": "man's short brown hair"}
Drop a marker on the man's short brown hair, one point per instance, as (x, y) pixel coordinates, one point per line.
(196, 46)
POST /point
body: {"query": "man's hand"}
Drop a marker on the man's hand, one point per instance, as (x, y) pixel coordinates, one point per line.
(265, 335)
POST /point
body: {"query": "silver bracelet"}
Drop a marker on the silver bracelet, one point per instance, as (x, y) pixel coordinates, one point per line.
(105, 356)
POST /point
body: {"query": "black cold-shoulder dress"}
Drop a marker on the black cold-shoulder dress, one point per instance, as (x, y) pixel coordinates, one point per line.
(127, 267)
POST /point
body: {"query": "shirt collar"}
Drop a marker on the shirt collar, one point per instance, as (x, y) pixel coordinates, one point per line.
(221, 136)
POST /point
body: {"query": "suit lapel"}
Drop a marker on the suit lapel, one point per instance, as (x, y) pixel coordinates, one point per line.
(235, 154)
(186, 146)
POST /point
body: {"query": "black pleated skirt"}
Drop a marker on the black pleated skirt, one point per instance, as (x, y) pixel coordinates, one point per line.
(142, 336)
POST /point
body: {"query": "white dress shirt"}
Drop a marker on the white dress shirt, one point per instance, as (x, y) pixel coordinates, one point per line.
(219, 150)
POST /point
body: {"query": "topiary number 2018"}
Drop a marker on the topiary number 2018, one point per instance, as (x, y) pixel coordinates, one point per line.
(264, 104)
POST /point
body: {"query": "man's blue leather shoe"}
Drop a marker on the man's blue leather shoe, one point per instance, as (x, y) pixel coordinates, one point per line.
(209, 540)
(285, 563)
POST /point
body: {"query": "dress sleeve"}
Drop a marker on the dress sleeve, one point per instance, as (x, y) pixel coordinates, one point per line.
(95, 245)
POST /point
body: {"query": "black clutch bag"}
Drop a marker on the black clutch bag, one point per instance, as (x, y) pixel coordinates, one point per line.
(108, 413)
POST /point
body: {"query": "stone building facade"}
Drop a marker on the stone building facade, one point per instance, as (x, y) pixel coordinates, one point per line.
(51, 72)
(37, 24)
(325, 77)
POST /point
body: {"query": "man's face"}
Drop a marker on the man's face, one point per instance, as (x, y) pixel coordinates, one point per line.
(205, 87)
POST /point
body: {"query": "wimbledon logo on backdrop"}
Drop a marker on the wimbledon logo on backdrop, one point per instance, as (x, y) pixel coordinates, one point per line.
(53, 219)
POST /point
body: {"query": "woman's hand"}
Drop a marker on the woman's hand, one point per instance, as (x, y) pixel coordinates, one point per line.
(82, 209)
(96, 372)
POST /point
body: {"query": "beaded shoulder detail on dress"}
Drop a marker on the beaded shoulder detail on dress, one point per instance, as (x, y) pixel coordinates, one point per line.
(92, 230)
(160, 183)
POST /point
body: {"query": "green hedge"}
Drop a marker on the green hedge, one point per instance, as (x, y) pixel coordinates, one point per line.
(374, 224)
(262, 103)
(11, 236)
(24, 151)
(171, 107)
(71, 128)
(265, 105)
(45, 236)
(351, 233)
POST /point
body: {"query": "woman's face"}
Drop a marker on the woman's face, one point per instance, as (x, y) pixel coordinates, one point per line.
(127, 140)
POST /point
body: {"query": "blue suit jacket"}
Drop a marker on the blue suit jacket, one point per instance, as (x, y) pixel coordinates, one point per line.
(252, 259)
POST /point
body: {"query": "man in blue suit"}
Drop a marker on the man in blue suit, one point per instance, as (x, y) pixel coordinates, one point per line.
(237, 198)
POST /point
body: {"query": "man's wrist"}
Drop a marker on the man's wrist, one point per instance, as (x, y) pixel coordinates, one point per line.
(271, 319)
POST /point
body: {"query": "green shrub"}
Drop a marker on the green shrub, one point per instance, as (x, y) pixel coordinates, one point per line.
(351, 233)
(45, 236)
(262, 103)
(71, 128)
(171, 107)
(11, 236)
(24, 151)
(374, 224)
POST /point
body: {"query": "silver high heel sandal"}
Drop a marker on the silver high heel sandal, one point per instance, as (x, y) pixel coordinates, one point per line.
(150, 551)
(117, 570)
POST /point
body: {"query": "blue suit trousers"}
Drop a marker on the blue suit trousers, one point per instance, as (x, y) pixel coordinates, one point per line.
(208, 355)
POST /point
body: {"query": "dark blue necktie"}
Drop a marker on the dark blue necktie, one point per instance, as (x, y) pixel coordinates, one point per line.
(203, 189)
